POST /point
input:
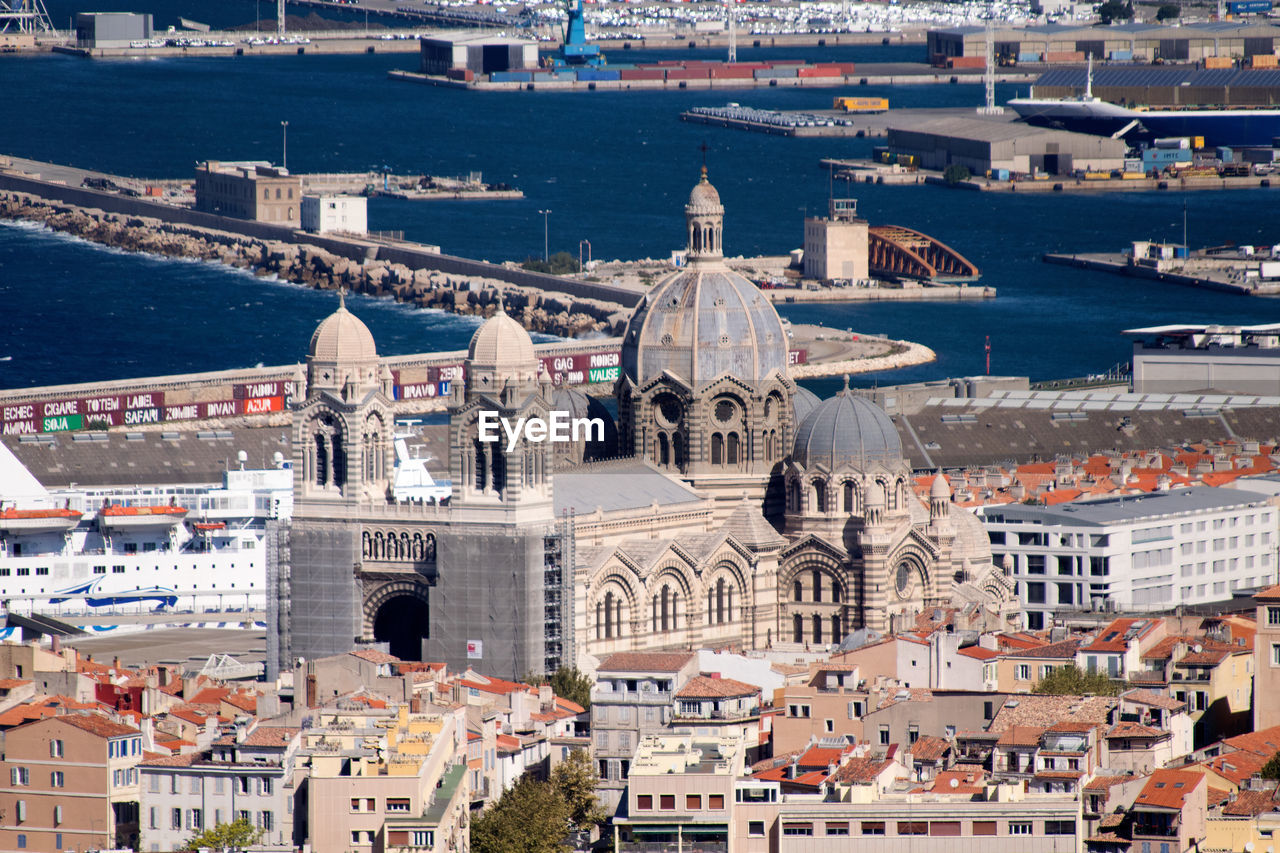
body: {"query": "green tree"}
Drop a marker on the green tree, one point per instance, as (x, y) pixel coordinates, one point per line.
(237, 835)
(1115, 10)
(532, 817)
(567, 683)
(1167, 12)
(1271, 770)
(1070, 680)
(955, 173)
(576, 780)
(561, 263)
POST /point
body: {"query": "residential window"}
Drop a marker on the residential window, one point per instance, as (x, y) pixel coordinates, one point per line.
(175, 818)
(755, 827)
(945, 828)
(1273, 616)
(984, 827)
(913, 827)
(56, 779)
(715, 802)
(1023, 672)
(22, 841)
(797, 829)
(400, 804)
(197, 819)
(884, 735)
(155, 818)
(244, 784)
(55, 746)
(693, 802)
(1019, 828)
(1275, 654)
(175, 784)
(873, 827)
(265, 821)
(195, 784)
(667, 802)
(1035, 592)
(424, 837)
(57, 818)
(840, 828)
(19, 776)
(644, 802)
(1059, 827)
(22, 810)
(265, 786)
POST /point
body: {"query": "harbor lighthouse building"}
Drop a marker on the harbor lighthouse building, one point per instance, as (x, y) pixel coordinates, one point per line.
(726, 506)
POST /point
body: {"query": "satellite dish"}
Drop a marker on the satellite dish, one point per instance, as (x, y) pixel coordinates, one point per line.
(954, 783)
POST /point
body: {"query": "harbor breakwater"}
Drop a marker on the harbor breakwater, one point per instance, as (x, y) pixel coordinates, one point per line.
(322, 267)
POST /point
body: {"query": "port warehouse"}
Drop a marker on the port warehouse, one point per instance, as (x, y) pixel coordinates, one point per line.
(111, 29)
(1165, 85)
(1117, 42)
(468, 56)
(983, 145)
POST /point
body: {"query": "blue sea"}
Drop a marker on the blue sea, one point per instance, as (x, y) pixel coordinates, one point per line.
(614, 169)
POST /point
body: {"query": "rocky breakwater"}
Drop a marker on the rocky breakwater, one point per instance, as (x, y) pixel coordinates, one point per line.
(314, 266)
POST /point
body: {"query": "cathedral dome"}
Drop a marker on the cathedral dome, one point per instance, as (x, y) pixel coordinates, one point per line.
(703, 323)
(940, 488)
(580, 405)
(342, 337)
(803, 402)
(502, 349)
(844, 431)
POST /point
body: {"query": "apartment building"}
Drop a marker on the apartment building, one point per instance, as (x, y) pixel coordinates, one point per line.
(248, 774)
(72, 784)
(1266, 661)
(633, 697)
(249, 190)
(1138, 552)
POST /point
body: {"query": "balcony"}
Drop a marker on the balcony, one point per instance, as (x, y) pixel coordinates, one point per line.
(1155, 829)
(673, 847)
(631, 697)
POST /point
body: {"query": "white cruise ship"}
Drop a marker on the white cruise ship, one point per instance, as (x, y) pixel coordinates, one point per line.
(184, 548)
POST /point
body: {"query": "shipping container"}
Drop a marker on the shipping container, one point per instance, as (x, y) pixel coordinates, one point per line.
(967, 62)
(510, 76)
(641, 74)
(1064, 56)
(732, 72)
(775, 72)
(861, 105)
(1248, 7)
(1120, 55)
(823, 71)
(1262, 60)
(593, 74)
(1173, 142)
(688, 73)
(1028, 56)
(1269, 269)
(1218, 62)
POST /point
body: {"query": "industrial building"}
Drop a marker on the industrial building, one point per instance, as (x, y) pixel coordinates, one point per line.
(1136, 42)
(249, 190)
(1221, 359)
(480, 53)
(322, 214)
(984, 145)
(1139, 552)
(836, 246)
(111, 29)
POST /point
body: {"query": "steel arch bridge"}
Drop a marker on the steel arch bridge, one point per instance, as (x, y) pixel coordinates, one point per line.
(897, 252)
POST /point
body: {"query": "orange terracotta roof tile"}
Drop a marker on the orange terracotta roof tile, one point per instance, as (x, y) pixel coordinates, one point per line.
(1265, 742)
(1105, 783)
(374, 656)
(1020, 736)
(978, 652)
(1152, 699)
(705, 687)
(97, 725)
(929, 748)
(819, 757)
(1168, 789)
(645, 662)
(1252, 803)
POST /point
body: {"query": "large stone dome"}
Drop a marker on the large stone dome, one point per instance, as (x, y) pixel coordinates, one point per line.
(341, 338)
(845, 430)
(703, 323)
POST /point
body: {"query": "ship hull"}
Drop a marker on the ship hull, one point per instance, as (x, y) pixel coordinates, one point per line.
(1220, 128)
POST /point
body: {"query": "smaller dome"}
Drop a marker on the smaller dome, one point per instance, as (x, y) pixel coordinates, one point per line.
(941, 487)
(501, 344)
(342, 337)
(803, 402)
(580, 405)
(847, 430)
(704, 199)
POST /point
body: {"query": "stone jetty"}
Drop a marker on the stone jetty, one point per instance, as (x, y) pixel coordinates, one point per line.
(314, 266)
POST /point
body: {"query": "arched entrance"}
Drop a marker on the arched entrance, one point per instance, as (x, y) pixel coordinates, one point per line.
(401, 622)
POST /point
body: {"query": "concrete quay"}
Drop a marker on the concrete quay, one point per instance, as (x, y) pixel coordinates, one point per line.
(882, 292)
(323, 43)
(1223, 278)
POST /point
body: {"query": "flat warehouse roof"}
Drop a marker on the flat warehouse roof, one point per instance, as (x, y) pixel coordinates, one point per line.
(1131, 507)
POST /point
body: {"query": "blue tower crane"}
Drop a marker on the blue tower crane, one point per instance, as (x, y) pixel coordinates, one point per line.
(574, 50)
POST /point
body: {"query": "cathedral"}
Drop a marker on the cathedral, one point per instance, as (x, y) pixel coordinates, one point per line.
(725, 505)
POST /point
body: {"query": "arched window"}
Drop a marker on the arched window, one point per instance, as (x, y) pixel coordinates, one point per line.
(617, 617)
(848, 497)
(817, 628)
(728, 609)
(322, 460)
(836, 630)
(481, 466)
(720, 601)
(664, 450)
(608, 615)
(817, 585)
(797, 629)
(797, 591)
(820, 495)
(794, 495)
(499, 467)
(339, 461)
(666, 610)
(732, 450)
(717, 449)
(599, 624)
(836, 595)
(767, 440)
(677, 450)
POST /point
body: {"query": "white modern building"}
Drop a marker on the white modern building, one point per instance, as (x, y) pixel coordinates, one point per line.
(322, 214)
(1240, 360)
(1137, 552)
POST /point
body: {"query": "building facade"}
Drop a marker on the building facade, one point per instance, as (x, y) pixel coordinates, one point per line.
(249, 190)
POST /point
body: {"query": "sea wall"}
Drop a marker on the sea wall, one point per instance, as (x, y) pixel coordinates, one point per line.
(329, 263)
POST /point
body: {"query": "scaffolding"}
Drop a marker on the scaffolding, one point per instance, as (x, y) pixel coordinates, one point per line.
(557, 596)
(25, 17)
